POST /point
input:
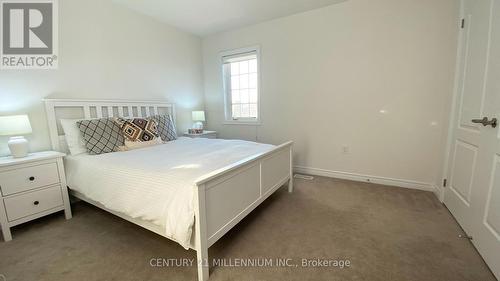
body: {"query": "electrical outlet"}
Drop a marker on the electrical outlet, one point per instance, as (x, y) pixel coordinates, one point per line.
(345, 149)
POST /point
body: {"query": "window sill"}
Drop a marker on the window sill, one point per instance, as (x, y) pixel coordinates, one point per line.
(247, 123)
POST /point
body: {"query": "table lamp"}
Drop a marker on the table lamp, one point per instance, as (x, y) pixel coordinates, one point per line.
(198, 118)
(16, 126)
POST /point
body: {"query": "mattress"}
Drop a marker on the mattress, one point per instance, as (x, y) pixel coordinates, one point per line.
(156, 183)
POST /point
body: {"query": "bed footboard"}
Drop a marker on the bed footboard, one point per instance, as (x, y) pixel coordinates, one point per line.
(226, 196)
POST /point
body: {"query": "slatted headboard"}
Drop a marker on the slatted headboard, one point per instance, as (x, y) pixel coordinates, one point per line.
(57, 109)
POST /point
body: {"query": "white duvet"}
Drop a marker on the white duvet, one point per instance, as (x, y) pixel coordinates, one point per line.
(156, 183)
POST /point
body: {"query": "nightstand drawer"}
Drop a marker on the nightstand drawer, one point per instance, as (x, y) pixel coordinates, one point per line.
(209, 136)
(23, 179)
(34, 202)
(205, 134)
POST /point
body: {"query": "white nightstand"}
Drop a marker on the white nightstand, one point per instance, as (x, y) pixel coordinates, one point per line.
(31, 187)
(205, 134)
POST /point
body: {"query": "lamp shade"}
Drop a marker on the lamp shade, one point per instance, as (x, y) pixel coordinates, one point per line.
(15, 125)
(198, 115)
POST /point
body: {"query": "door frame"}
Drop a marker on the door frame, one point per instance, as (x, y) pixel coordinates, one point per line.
(452, 116)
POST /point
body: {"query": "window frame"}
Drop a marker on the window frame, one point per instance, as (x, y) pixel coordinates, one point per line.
(226, 87)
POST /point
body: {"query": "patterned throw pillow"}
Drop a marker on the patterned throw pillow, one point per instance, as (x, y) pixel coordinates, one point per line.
(166, 127)
(101, 135)
(138, 129)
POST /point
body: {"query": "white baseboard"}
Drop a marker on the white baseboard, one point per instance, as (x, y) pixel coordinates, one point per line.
(367, 178)
(438, 191)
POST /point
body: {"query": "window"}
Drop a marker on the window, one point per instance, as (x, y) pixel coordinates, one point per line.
(241, 85)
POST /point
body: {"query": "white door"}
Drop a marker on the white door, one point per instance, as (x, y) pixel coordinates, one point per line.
(473, 196)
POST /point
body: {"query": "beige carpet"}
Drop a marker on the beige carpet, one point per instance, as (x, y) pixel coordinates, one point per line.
(387, 233)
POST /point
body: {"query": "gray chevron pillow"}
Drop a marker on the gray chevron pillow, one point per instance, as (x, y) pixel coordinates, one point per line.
(166, 127)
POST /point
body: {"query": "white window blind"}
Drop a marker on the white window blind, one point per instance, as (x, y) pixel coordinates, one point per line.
(241, 85)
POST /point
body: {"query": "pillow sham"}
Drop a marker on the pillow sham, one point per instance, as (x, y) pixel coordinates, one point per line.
(138, 129)
(73, 137)
(101, 135)
(166, 127)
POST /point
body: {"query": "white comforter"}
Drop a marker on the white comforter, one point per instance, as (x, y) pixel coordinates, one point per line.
(156, 183)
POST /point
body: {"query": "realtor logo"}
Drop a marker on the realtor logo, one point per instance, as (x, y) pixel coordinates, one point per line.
(28, 34)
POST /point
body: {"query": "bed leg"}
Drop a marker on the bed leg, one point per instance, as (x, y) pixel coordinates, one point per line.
(201, 235)
(4, 223)
(203, 272)
(64, 189)
(290, 181)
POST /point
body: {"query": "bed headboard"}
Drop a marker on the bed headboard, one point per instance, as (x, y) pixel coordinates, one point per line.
(57, 109)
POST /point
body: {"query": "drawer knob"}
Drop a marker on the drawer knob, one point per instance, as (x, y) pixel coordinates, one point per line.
(36, 203)
(31, 178)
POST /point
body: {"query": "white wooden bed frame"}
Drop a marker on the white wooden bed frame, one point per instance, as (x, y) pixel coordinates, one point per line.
(223, 197)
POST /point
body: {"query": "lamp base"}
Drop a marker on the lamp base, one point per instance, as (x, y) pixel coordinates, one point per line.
(18, 146)
(198, 125)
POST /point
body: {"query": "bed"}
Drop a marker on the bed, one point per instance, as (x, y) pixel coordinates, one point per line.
(194, 196)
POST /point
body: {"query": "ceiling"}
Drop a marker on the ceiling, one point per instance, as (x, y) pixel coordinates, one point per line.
(206, 17)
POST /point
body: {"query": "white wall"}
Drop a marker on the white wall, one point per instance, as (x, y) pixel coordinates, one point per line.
(108, 52)
(327, 74)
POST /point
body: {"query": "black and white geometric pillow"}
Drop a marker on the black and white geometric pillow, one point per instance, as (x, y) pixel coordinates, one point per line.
(138, 129)
(101, 135)
(166, 127)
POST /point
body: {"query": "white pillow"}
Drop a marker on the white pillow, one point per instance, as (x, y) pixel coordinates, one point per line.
(73, 137)
(131, 145)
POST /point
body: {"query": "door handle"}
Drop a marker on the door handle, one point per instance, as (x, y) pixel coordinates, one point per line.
(485, 122)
